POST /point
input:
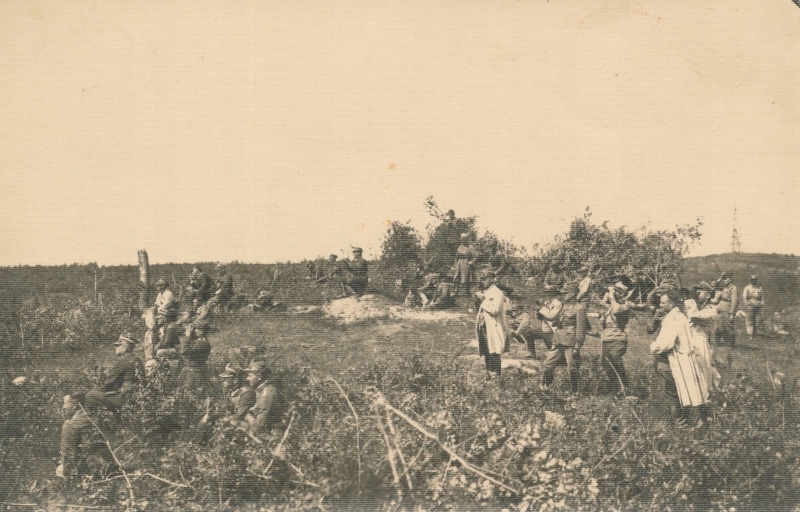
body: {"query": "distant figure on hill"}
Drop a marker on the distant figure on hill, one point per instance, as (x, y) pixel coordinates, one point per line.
(224, 291)
(329, 271)
(726, 299)
(121, 380)
(202, 287)
(753, 299)
(357, 275)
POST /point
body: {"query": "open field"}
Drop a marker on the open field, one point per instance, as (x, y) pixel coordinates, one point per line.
(515, 447)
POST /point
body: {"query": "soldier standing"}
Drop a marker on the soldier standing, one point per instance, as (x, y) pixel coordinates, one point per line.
(614, 338)
(569, 335)
(726, 299)
(753, 297)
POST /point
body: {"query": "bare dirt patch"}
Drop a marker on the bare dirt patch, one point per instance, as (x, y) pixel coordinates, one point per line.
(367, 307)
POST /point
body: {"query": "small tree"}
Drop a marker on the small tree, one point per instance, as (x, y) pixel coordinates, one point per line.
(445, 236)
(645, 256)
(401, 245)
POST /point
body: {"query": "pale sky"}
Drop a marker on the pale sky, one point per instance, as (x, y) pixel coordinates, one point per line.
(273, 131)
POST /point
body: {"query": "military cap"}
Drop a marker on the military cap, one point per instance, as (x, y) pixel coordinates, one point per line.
(220, 265)
(753, 277)
(257, 367)
(726, 274)
(703, 286)
(161, 282)
(126, 339)
(357, 249)
(229, 371)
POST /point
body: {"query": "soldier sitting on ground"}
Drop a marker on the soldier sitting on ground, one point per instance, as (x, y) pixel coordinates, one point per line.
(357, 274)
(195, 349)
(123, 377)
(264, 301)
(264, 415)
(74, 434)
(443, 297)
(202, 287)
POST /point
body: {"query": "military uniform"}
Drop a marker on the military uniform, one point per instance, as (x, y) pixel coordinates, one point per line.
(568, 338)
(264, 414)
(75, 433)
(358, 275)
(444, 297)
(753, 298)
(615, 344)
(726, 301)
(241, 401)
(464, 267)
(202, 286)
(194, 352)
(122, 379)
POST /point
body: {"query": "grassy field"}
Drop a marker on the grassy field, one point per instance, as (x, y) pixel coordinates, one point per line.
(487, 444)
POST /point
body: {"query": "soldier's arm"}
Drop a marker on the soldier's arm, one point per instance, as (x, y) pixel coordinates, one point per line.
(246, 402)
(734, 299)
(263, 407)
(116, 371)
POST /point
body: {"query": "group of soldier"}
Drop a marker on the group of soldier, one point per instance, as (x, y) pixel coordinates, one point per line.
(250, 396)
(351, 275)
(687, 324)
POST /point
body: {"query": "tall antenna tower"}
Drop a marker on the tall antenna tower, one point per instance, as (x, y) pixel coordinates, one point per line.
(736, 244)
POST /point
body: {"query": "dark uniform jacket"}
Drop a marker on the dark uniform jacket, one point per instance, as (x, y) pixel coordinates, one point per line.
(225, 286)
(195, 351)
(571, 326)
(241, 401)
(124, 374)
(264, 414)
(203, 286)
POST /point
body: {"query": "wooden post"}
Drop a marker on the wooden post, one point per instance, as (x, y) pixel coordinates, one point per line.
(144, 280)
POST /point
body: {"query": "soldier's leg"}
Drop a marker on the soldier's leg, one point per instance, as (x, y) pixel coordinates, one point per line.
(573, 362)
(749, 322)
(97, 399)
(613, 365)
(553, 359)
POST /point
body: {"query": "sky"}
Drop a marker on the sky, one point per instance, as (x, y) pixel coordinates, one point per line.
(274, 131)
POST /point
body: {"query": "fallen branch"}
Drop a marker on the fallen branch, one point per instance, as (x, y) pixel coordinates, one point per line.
(390, 452)
(156, 477)
(398, 450)
(380, 399)
(119, 463)
(358, 428)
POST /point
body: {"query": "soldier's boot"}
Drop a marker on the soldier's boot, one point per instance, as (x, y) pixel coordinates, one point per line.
(575, 381)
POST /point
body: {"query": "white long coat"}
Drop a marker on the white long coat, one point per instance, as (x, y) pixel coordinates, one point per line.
(492, 313)
(686, 364)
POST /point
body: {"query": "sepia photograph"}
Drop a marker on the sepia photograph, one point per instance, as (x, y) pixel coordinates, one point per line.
(443, 255)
